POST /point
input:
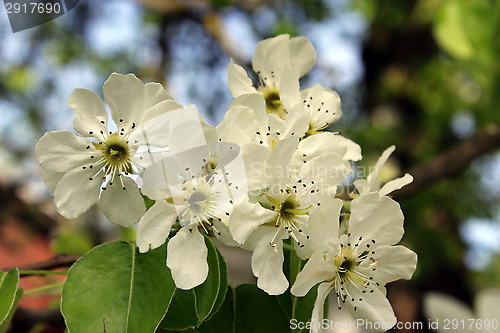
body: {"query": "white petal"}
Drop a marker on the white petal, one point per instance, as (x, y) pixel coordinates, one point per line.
(327, 170)
(279, 158)
(302, 54)
(90, 114)
(255, 156)
(267, 261)
(155, 182)
(181, 122)
(316, 270)
(322, 104)
(322, 227)
(363, 186)
(62, 151)
(159, 109)
(232, 133)
(51, 179)
(243, 118)
(239, 81)
(155, 93)
(381, 161)
(438, 306)
(255, 101)
(155, 127)
(319, 306)
(327, 142)
(75, 193)
(376, 217)
(373, 306)
(393, 263)
(187, 258)
(246, 217)
(353, 152)
(396, 184)
(316, 145)
(270, 57)
(126, 97)
(289, 90)
(296, 122)
(122, 202)
(155, 226)
(225, 235)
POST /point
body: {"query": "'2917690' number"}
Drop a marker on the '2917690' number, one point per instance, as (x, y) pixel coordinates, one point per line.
(33, 8)
(470, 324)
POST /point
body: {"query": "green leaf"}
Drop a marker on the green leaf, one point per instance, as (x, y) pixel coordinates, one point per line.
(221, 322)
(189, 308)
(303, 307)
(5, 323)
(8, 290)
(116, 288)
(467, 30)
(258, 312)
(221, 296)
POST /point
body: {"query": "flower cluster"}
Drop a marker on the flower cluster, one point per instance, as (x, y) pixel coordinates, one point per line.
(268, 172)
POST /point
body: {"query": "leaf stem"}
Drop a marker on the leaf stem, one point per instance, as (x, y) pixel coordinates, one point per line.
(47, 287)
(288, 247)
(42, 272)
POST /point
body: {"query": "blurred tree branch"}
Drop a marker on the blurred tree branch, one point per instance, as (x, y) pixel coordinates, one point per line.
(451, 162)
(58, 261)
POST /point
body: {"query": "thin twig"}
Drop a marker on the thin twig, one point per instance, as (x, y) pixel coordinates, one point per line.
(451, 162)
(52, 263)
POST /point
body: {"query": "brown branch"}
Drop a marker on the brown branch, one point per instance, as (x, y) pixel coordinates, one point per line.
(451, 162)
(52, 263)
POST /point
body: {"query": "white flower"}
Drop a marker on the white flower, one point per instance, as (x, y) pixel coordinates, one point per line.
(322, 106)
(289, 201)
(266, 141)
(372, 184)
(442, 308)
(197, 203)
(324, 143)
(278, 61)
(356, 265)
(198, 186)
(75, 167)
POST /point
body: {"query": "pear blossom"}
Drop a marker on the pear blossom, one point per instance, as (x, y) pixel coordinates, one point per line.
(282, 211)
(485, 317)
(372, 183)
(80, 169)
(322, 106)
(198, 203)
(198, 186)
(263, 138)
(278, 61)
(355, 265)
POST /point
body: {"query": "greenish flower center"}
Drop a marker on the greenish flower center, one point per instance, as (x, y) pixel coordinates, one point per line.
(273, 101)
(210, 166)
(288, 207)
(116, 155)
(197, 202)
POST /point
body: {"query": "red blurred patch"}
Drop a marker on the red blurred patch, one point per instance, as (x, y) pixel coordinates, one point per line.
(20, 246)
